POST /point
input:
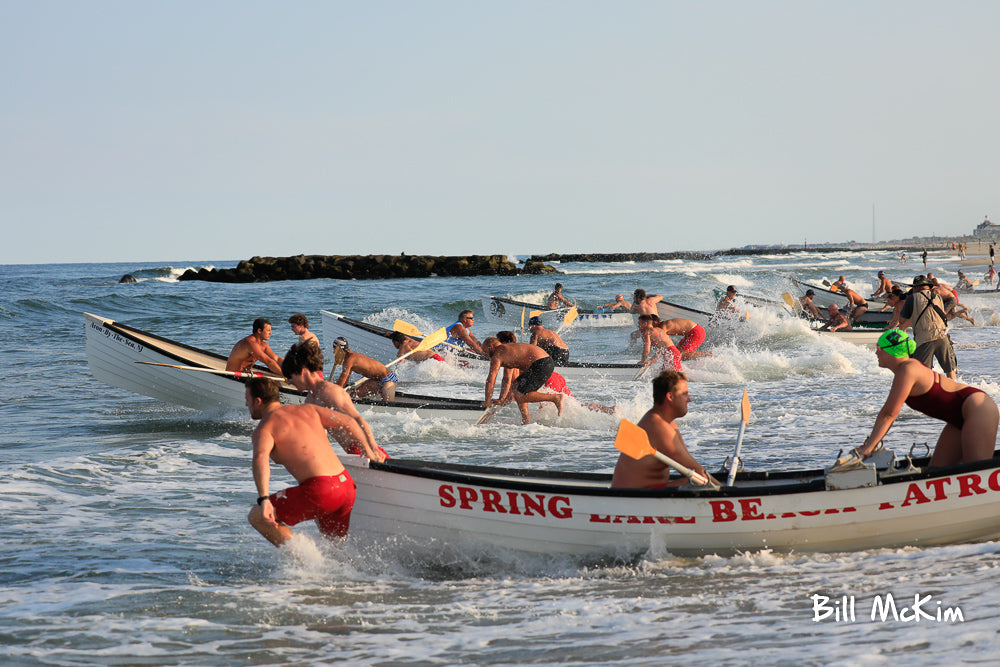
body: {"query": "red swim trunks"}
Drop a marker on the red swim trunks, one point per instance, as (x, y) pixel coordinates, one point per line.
(328, 500)
(692, 340)
(557, 383)
(672, 359)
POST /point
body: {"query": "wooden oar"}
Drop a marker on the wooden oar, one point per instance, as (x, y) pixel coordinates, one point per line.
(406, 328)
(571, 315)
(489, 412)
(429, 341)
(632, 441)
(235, 374)
(642, 371)
(744, 420)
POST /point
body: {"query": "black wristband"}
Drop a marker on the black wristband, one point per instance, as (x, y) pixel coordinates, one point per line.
(262, 499)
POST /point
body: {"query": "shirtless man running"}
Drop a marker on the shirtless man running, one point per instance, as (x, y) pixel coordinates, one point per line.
(658, 342)
(535, 368)
(694, 335)
(379, 379)
(254, 348)
(303, 366)
(670, 402)
(295, 436)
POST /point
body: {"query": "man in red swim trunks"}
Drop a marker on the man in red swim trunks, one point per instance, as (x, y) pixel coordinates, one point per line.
(694, 336)
(295, 436)
(657, 343)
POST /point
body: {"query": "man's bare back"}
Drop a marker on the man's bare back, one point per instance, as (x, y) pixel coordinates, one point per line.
(295, 436)
(677, 326)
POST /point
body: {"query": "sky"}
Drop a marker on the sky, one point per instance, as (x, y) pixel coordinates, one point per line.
(221, 130)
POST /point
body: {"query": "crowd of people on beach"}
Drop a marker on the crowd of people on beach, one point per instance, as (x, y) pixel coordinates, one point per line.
(296, 436)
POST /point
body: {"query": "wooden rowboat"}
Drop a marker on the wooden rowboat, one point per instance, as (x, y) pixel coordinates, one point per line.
(825, 297)
(125, 357)
(578, 514)
(512, 313)
(374, 341)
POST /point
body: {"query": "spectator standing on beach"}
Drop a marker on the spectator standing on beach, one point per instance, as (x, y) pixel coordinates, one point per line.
(926, 312)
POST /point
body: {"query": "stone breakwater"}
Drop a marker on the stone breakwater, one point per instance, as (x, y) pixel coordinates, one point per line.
(364, 267)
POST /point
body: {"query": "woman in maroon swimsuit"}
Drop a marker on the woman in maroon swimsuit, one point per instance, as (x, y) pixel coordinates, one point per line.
(971, 416)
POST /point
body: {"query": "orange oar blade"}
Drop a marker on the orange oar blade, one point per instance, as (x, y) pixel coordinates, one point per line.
(632, 441)
(406, 328)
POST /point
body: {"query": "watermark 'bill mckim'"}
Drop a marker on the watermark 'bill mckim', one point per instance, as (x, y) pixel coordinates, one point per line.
(884, 609)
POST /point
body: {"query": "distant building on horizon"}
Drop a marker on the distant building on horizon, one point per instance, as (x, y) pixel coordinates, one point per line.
(987, 230)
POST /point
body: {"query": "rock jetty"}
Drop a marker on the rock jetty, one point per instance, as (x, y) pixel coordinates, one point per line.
(364, 267)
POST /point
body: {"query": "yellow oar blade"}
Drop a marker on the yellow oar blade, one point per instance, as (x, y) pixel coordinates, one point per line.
(432, 339)
(570, 316)
(406, 328)
(632, 441)
(789, 300)
(745, 407)
(534, 313)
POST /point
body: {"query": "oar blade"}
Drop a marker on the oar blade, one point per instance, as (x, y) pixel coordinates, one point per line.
(432, 340)
(571, 315)
(406, 328)
(787, 298)
(632, 441)
(745, 407)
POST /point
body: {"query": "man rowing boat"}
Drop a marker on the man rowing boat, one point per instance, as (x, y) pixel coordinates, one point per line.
(378, 379)
(670, 402)
(459, 333)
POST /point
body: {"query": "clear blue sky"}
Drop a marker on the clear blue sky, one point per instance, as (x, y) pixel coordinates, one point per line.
(146, 131)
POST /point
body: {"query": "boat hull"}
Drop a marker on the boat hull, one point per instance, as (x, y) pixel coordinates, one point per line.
(120, 355)
(515, 314)
(824, 297)
(374, 342)
(579, 515)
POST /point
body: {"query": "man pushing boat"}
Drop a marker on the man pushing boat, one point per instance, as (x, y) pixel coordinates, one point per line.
(535, 368)
(295, 436)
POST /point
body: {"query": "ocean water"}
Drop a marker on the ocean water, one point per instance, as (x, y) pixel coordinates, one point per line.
(125, 539)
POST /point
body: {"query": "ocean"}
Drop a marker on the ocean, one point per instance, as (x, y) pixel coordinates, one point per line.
(125, 539)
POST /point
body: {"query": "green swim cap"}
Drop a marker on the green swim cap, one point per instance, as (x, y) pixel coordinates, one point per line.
(897, 343)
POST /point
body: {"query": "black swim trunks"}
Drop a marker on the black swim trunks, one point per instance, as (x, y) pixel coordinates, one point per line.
(536, 375)
(559, 355)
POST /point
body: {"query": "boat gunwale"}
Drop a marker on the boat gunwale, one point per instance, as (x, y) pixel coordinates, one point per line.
(533, 479)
